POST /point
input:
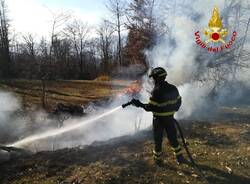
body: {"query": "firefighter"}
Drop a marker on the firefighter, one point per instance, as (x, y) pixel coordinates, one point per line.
(164, 102)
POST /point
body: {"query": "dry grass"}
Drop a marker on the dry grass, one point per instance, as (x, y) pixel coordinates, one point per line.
(221, 148)
(103, 78)
(67, 92)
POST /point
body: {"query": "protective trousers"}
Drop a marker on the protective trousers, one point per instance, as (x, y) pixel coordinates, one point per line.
(166, 123)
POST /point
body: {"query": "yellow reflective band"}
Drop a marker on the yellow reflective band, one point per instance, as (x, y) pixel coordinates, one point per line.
(153, 102)
(157, 153)
(163, 113)
(177, 148)
(160, 75)
(177, 151)
(170, 101)
(157, 158)
(165, 103)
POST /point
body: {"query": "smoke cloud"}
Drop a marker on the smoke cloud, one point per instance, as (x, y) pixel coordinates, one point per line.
(187, 66)
(16, 126)
(8, 104)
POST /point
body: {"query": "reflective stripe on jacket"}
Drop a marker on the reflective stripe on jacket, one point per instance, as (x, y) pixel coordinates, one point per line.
(165, 100)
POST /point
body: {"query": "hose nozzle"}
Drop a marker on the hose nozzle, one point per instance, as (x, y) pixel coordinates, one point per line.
(127, 104)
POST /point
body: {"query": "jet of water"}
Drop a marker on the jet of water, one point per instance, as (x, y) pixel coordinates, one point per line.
(54, 132)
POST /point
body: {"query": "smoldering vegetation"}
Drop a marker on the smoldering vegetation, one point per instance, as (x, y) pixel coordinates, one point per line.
(17, 126)
(206, 81)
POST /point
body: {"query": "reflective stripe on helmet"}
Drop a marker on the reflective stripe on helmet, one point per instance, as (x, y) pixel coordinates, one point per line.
(169, 102)
(158, 72)
(162, 74)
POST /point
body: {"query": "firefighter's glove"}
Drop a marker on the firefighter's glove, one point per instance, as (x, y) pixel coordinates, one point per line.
(137, 103)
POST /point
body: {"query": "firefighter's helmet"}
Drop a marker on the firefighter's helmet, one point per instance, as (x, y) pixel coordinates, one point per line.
(158, 72)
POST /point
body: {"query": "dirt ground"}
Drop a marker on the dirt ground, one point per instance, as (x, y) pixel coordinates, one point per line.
(220, 147)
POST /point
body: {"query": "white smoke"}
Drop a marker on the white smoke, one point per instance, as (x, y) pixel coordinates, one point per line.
(36, 131)
(8, 104)
(177, 52)
(16, 124)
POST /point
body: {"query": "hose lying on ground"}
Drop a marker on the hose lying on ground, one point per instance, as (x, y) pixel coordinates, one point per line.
(189, 154)
(184, 145)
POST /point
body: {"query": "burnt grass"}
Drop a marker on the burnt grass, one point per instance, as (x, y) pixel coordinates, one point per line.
(221, 148)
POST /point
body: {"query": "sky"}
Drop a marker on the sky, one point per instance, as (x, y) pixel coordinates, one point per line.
(35, 16)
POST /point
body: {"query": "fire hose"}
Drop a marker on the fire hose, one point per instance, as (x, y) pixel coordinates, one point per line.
(189, 154)
(184, 145)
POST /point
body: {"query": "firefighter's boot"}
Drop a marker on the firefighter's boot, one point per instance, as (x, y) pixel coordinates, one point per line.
(180, 159)
(178, 153)
(158, 158)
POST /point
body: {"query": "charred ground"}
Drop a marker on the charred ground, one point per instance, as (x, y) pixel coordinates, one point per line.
(221, 148)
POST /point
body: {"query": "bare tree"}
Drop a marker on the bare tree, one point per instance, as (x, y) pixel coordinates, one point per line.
(93, 50)
(140, 14)
(58, 20)
(29, 42)
(224, 69)
(43, 48)
(105, 32)
(117, 8)
(141, 31)
(78, 33)
(4, 41)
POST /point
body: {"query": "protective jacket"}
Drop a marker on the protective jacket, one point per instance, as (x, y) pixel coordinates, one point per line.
(165, 100)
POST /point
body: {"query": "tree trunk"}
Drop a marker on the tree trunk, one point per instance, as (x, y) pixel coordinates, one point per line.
(119, 37)
(43, 94)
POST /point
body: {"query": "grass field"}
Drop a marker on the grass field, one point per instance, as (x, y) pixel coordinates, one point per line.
(66, 92)
(221, 147)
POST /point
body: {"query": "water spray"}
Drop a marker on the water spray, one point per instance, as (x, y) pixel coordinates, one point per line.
(55, 132)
